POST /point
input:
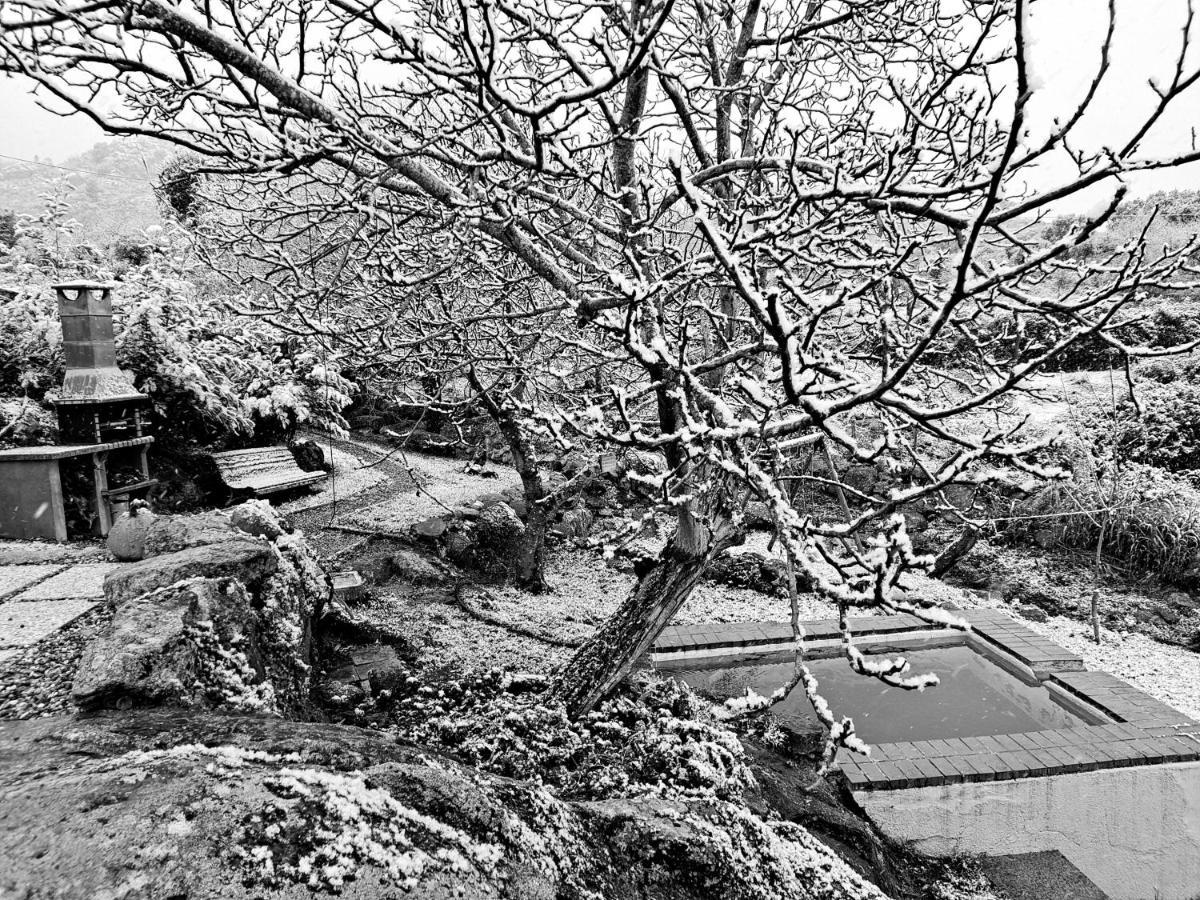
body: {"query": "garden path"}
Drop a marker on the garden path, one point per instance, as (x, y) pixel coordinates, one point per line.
(38, 599)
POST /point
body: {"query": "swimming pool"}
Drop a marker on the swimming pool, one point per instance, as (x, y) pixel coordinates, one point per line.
(975, 696)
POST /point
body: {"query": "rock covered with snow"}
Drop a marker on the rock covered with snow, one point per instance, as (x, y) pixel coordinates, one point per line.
(259, 518)
(499, 531)
(192, 642)
(155, 804)
(219, 624)
(169, 534)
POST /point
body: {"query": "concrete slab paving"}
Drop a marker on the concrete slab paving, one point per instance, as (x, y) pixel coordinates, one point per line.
(14, 579)
(22, 624)
(86, 580)
(7, 654)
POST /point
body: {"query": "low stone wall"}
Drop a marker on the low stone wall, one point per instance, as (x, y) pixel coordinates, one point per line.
(1135, 832)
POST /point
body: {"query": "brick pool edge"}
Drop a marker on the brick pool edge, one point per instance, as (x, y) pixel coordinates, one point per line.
(1142, 731)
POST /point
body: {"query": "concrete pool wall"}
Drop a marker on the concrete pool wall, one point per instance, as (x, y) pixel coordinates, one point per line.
(1135, 832)
(1119, 798)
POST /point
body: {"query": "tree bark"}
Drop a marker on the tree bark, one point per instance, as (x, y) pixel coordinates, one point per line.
(609, 655)
(961, 546)
(531, 560)
(531, 564)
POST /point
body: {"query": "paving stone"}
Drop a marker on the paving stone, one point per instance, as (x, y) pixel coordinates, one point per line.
(78, 581)
(22, 624)
(13, 579)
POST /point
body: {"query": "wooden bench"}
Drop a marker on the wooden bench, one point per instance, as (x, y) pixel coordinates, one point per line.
(263, 470)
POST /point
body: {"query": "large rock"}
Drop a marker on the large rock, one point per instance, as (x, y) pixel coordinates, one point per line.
(245, 558)
(168, 534)
(151, 805)
(309, 456)
(499, 531)
(750, 570)
(225, 625)
(257, 518)
(192, 643)
(416, 568)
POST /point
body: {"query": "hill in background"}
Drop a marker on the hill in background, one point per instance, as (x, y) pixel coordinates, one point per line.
(109, 188)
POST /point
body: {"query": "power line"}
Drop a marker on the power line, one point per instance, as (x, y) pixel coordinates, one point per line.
(34, 162)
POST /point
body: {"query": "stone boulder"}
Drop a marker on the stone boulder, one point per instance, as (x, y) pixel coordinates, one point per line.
(151, 804)
(645, 463)
(258, 518)
(191, 643)
(168, 534)
(499, 531)
(416, 568)
(750, 570)
(224, 624)
(309, 456)
(244, 558)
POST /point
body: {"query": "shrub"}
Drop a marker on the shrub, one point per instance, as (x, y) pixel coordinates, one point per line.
(8, 228)
(1162, 429)
(24, 423)
(215, 379)
(1149, 518)
(654, 736)
(1167, 433)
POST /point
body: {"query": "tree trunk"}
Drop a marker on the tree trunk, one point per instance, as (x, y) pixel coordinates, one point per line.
(531, 561)
(961, 546)
(531, 564)
(608, 656)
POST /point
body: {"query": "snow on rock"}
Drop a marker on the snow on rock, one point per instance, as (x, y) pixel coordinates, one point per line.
(236, 807)
(342, 824)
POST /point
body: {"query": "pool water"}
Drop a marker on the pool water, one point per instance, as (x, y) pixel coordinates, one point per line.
(976, 697)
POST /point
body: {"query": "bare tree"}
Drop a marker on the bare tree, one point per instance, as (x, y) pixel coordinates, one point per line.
(795, 222)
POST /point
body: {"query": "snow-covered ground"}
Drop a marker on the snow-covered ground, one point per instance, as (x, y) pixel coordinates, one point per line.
(585, 590)
(351, 475)
(442, 484)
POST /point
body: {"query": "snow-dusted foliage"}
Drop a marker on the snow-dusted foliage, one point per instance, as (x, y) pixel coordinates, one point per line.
(326, 825)
(656, 738)
(212, 375)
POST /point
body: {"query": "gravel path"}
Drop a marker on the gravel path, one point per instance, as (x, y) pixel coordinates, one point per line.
(439, 484)
(368, 475)
(36, 681)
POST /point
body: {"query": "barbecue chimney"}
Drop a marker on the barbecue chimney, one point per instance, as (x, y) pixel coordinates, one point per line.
(97, 401)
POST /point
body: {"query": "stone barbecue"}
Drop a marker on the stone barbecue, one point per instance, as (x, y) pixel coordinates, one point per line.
(103, 429)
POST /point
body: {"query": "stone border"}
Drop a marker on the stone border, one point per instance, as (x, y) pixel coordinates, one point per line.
(1140, 731)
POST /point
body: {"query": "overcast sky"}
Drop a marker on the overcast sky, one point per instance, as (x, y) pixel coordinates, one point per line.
(1067, 37)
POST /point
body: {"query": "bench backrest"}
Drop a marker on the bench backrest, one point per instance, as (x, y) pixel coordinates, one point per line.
(262, 466)
(255, 460)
